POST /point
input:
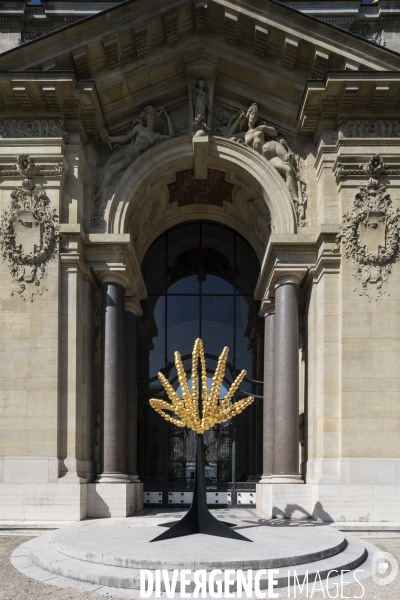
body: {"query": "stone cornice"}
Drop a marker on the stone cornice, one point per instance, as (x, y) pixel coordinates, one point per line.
(57, 93)
(343, 94)
(115, 254)
(72, 239)
(72, 249)
(347, 154)
(295, 255)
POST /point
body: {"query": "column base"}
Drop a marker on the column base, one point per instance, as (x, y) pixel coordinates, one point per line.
(265, 479)
(134, 478)
(114, 499)
(113, 478)
(286, 478)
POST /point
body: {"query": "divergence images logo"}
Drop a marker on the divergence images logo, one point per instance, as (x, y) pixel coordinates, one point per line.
(387, 572)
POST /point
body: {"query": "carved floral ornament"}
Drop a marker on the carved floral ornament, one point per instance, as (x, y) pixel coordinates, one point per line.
(370, 232)
(35, 128)
(29, 232)
(26, 167)
(375, 167)
(368, 128)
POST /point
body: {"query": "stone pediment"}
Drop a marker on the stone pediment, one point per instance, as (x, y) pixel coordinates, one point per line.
(139, 53)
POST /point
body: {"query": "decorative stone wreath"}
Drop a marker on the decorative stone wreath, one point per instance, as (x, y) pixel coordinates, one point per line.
(28, 269)
(371, 198)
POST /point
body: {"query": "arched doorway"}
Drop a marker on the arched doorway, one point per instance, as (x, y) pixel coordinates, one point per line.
(200, 278)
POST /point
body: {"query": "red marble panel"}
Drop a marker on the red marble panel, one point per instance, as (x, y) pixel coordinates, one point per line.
(187, 190)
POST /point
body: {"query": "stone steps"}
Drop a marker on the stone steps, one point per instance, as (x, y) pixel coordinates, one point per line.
(45, 555)
(335, 544)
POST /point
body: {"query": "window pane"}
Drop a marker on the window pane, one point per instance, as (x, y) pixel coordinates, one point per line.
(217, 256)
(183, 324)
(187, 285)
(184, 257)
(216, 285)
(199, 259)
(217, 324)
(243, 333)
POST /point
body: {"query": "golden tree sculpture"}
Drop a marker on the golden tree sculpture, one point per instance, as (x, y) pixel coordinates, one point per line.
(186, 411)
(200, 410)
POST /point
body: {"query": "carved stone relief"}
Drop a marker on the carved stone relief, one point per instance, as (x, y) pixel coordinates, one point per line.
(151, 128)
(300, 162)
(364, 128)
(261, 218)
(26, 167)
(149, 210)
(375, 167)
(43, 128)
(247, 128)
(222, 118)
(180, 120)
(28, 232)
(238, 201)
(370, 232)
(365, 30)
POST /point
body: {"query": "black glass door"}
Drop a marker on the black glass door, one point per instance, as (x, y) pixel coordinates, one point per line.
(200, 279)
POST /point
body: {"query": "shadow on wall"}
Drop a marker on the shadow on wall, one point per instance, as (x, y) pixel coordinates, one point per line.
(97, 506)
(294, 511)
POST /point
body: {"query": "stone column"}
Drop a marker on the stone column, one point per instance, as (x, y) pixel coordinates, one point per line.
(252, 412)
(286, 382)
(113, 402)
(268, 416)
(132, 311)
(259, 409)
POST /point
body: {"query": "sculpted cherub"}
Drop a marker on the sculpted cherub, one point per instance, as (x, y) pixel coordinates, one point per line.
(243, 128)
(128, 147)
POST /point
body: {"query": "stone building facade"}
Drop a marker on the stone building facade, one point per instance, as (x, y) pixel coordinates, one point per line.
(200, 168)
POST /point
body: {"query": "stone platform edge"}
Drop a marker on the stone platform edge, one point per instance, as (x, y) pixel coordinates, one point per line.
(358, 528)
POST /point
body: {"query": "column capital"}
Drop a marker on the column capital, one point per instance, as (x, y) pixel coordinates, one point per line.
(286, 279)
(132, 305)
(267, 307)
(113, 277)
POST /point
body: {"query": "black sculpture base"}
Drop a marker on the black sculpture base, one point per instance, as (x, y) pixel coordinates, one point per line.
(199, 519)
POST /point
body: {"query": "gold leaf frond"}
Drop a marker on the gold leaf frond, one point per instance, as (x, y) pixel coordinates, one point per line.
(184, 412)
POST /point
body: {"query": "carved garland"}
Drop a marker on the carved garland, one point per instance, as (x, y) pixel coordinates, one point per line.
(35, 128)
(368, 128)
(370, 231)
(29, 235)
